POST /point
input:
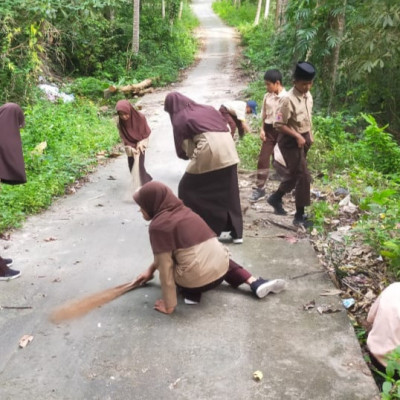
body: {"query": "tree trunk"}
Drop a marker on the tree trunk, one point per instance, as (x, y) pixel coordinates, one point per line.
(163, 9)
(136, 27)
(258, 13)
(180, 10)
(266, 12)
(337, 24)
(280, 13)
(277, 13)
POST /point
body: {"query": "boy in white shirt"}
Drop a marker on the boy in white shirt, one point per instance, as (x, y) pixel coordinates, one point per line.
(235, 112)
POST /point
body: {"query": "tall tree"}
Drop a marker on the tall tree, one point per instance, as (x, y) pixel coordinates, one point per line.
(258, 13)
(180, 10)
(136, 26)
(336, 22)
(266, 11)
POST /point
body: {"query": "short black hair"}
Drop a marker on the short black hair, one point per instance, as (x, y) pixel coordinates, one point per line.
(273, 75)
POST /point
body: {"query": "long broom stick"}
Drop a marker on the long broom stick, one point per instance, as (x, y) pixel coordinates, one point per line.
(80, 307)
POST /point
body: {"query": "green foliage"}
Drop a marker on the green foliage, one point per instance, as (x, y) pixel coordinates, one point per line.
(91, 38)
(321, 211)
(377, 149)
(391, 386)
(366, 164)
(334, 143)
(353, 45)
(249, 148)
(379, 224)
(74, 134)
(90, 87)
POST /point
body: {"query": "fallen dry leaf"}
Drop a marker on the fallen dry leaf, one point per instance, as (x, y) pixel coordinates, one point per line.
(25, 340)
(39, 149)
(309, 305)
(289, 238)
(330, 292)
(327, 309)
(258, 375)
(173, 385)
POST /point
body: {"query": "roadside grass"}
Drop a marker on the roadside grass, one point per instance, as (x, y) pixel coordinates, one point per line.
(75, 134)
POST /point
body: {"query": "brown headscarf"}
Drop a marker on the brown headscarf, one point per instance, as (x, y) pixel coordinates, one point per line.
(12, 166)
(189, 118)
(173, 225)
(135, 128)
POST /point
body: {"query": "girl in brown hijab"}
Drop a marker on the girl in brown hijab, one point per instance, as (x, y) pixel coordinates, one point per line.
(12, 166)
(210, 184)
(134, 132)
(187, 253)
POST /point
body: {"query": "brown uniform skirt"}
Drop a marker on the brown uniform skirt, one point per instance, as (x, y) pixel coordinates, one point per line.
(215, 197)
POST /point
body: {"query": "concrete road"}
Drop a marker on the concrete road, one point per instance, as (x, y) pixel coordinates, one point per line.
(96, 239)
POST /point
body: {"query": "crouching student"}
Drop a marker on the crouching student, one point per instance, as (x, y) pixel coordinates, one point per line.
(187, 253)
(293, 121)
(384, 322)
(234, 113)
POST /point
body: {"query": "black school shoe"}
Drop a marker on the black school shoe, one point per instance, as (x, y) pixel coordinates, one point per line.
(261, 287)
(257, 194)
(302, 221)
(8, 261)
(7, 274)
(276, 203)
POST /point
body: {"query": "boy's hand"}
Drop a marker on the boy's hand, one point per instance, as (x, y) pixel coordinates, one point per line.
(300, 141)
(159, 305)
(262, 135)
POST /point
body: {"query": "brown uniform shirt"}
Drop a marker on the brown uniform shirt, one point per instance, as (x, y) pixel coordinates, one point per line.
(193, 267)
(294, 110)
(210, 151)
(270, 105)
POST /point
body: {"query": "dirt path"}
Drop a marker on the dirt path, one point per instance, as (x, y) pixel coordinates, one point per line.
(125, 350)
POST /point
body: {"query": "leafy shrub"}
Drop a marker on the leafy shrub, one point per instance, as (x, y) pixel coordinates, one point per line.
(377, 149)
(249, 149)
(391, 386)
(91, 88)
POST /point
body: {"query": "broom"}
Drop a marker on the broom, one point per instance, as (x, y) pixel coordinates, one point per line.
(80, 307)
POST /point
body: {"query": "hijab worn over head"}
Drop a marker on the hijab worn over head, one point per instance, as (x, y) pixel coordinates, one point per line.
(189, 118)
(12, 166)
(173, 225)
(135, 128)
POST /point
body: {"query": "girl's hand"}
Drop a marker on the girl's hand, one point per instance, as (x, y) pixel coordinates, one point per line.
(262, 135)
(144, 277)
(159, 305)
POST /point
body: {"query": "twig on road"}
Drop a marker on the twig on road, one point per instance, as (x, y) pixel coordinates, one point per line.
(288, 227)
(306, 274)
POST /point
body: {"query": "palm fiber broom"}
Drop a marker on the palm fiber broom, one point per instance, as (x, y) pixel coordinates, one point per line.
(80, 307)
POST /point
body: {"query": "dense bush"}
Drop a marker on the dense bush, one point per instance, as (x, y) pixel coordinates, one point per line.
(89, 39)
